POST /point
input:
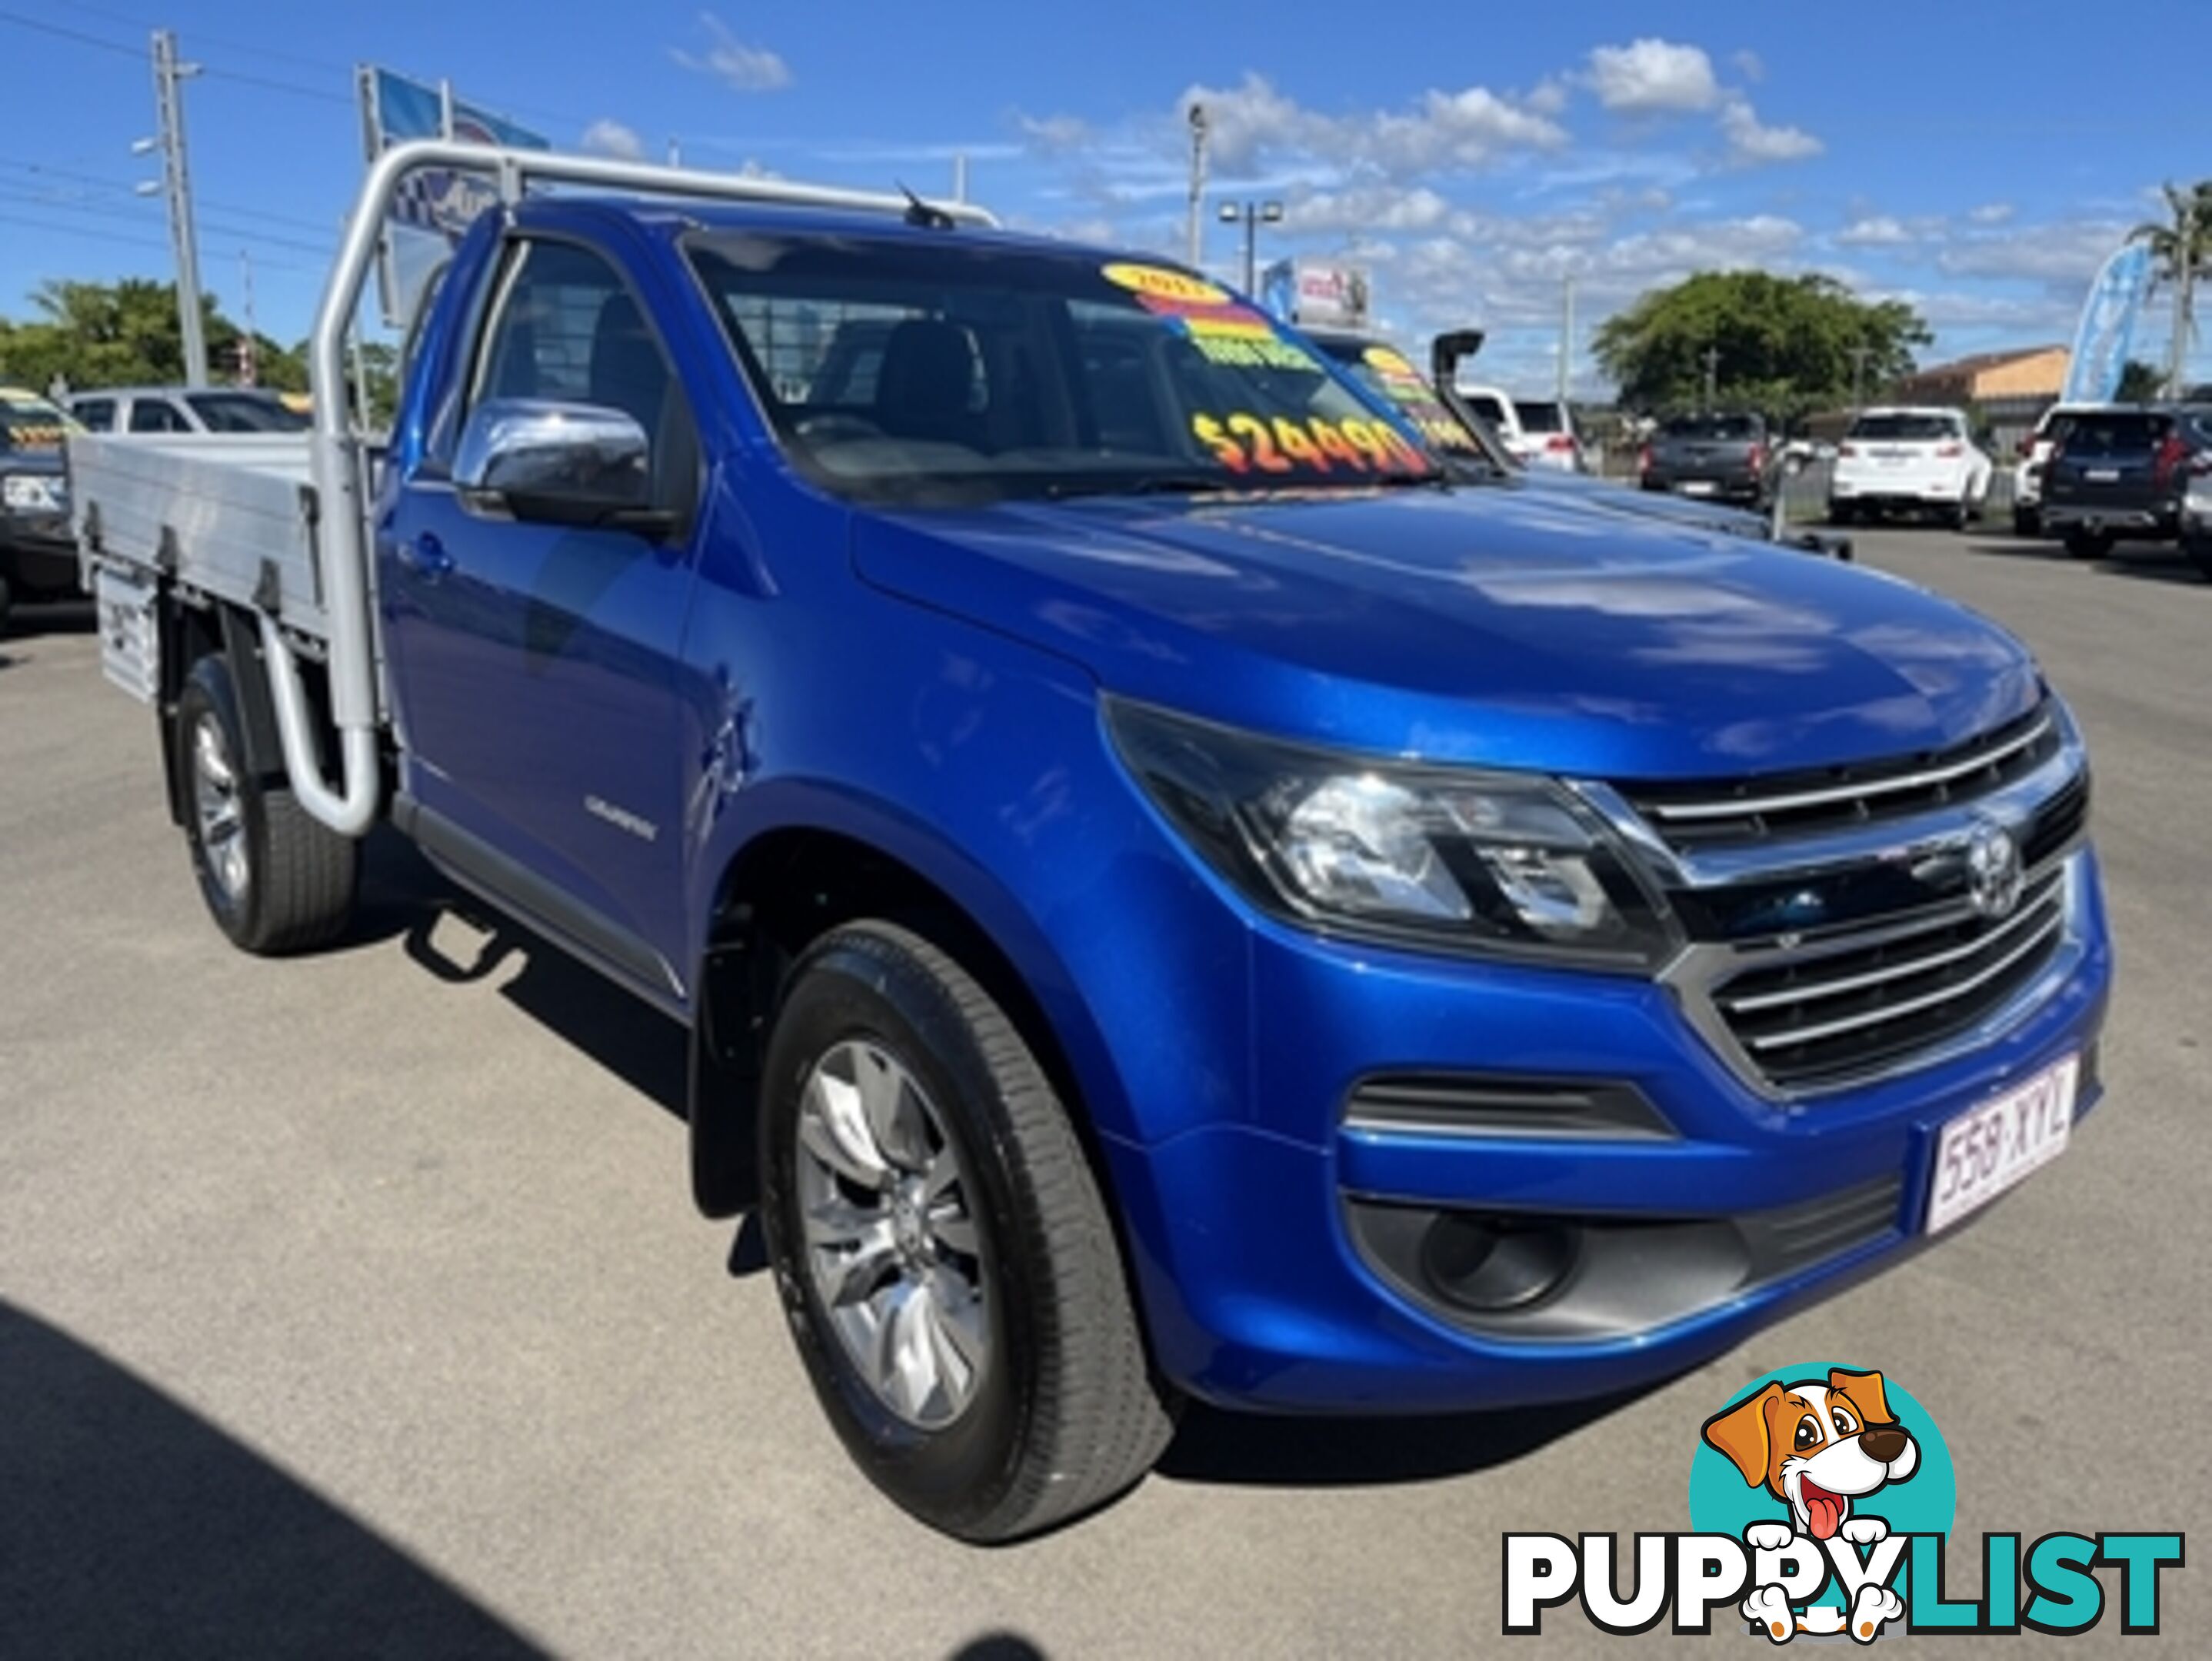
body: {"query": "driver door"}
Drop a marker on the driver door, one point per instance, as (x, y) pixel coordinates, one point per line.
(536, 662)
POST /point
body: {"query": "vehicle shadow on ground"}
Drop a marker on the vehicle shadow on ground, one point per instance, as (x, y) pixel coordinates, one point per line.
(132, 1526)
(401, 895)
(1267, 1450)
(2146, 563)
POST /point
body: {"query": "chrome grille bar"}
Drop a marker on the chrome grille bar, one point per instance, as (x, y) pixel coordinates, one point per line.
(1904, 969)
(1859, 790)
(1942, 995)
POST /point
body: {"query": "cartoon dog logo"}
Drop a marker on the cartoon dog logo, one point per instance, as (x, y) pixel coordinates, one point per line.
(1818, 1447)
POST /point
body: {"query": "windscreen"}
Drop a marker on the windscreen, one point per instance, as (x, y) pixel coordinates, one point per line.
(1713, 428)
(1539, 416)
(243, 412)
(1490, 409)
(1904, 427)
(1387, 370)
(31, 424)
(917, 370)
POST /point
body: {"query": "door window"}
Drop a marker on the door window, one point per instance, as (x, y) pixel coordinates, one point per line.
(569, 329)
(98, 414)
(156, 416)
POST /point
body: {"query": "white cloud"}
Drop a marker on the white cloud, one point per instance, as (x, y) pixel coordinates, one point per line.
(1749, 65)
(1991, 213)
(745, 67)
(1547, 97)
(1650, 75)
(2063, 254)
(606, 137)
(1254, 122)
(1751, 139)
(1373, 208)
(1879, 231)
(1054, 133)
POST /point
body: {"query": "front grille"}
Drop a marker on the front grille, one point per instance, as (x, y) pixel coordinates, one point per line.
(1777, 807)
(1836, 1014)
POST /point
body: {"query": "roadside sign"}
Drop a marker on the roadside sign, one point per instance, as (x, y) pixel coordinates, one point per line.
(435, 207)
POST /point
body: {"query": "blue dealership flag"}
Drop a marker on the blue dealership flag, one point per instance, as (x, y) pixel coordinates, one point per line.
(2107, 328)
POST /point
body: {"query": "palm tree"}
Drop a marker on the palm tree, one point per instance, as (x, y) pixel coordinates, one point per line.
(2181, 250)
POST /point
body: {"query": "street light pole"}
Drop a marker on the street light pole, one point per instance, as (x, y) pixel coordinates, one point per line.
(1252, 214)
(1712, 376)
(1859, 355)
(1196, 252)
(177, 182)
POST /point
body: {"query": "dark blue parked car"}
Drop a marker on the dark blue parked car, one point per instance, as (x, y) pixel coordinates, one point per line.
(1174, 898)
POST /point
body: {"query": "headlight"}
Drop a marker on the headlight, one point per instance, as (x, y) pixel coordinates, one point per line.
(1511, 864)
(31, 493)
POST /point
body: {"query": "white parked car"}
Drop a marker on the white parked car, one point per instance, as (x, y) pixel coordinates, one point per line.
(2034, 452)
(1536, 432)
(1909, 460)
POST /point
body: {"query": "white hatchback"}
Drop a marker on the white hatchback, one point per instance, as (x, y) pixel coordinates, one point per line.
(1535, 432)
(1909, 460)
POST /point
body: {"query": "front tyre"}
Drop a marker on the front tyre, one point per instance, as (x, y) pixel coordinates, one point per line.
(2199, 550)
(941, 1248)
(2088, 544)
(275, 879)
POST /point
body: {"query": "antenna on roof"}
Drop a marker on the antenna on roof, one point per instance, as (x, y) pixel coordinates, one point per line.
(921, 214)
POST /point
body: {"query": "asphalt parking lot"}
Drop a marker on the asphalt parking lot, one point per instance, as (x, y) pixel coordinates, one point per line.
(355, 1306)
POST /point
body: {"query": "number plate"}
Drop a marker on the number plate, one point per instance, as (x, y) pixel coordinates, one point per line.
(129, 640)
(1989, 1149)
(2103, 476)
(1698, 486)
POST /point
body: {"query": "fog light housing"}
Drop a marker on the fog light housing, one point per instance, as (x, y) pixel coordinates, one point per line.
(1494, 1266)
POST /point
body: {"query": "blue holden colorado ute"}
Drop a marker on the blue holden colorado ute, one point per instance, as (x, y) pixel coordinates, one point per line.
(1172, 897)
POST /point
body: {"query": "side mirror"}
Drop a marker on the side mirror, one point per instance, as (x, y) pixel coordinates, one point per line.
(558, 464)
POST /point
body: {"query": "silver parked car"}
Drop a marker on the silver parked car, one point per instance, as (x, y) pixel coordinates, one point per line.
(186, 409)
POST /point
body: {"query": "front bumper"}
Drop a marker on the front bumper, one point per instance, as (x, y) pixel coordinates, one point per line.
(1265, 1286)
(37, 551)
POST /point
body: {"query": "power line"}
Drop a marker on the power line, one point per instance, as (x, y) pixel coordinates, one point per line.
(77, 35)
(130, 187)
(256, 237)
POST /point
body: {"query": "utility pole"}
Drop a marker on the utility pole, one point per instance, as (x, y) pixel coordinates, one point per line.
(1860, 353)
(1196, 252)
(1566, 336)
(1712, 377)
(675, 151)
(177, 183)
(960, 176)
(249, 348)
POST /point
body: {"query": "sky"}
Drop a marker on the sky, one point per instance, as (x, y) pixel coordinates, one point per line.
(1979, 160)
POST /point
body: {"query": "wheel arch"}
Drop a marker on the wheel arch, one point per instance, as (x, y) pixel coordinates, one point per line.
(828, 860)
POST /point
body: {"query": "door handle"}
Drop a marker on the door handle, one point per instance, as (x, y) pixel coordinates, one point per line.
(426, 556)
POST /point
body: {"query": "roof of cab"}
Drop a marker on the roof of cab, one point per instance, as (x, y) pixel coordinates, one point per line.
(669, 219)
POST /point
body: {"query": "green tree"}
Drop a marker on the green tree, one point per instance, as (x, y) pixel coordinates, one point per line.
(2139, 382)
(2181, 251)
(1782, 345)
(125, 333)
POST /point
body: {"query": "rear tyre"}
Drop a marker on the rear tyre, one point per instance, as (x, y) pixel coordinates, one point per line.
(7, 604)
(2199, 550)
(2088, 544)
(275, 879)
(941, 1248)
(1842, 513)
(2026, 522)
